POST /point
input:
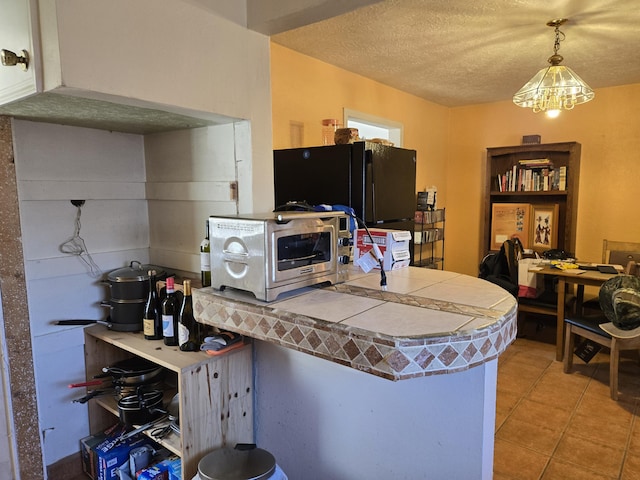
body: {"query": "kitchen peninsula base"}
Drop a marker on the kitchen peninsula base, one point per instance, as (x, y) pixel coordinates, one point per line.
(325, 421)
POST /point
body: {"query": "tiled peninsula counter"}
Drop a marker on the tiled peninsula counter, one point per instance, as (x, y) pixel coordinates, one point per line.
(352, 382)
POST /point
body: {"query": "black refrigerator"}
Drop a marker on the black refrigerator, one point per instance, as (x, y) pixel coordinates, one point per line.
(377, 181)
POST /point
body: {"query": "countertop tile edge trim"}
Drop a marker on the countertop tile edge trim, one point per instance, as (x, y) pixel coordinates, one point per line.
(387, 357)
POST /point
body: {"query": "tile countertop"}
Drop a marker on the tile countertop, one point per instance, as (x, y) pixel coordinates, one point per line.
(428, 321)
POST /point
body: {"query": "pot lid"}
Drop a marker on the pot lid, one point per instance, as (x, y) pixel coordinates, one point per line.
(236, 464)
(135, 272)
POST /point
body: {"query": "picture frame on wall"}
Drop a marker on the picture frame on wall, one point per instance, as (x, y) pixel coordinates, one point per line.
(544, 227)
(509, 220)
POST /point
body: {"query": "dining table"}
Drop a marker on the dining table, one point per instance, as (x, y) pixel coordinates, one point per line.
(568, 277)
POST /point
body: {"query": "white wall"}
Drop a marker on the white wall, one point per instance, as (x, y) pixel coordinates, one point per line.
(324, 421)
(186, 175)
(178, 57)
(147, 199)
(55, 164)
(189, 177)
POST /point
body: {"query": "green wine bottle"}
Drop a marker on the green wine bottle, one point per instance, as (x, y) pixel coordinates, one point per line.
(205, 258)
(188, 327)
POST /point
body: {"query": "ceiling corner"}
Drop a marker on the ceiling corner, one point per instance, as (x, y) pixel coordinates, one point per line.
(275, 16)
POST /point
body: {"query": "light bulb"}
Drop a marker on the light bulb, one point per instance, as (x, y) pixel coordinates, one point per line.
(552, 113)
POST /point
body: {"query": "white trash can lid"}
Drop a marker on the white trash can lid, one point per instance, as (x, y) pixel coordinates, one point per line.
(237, 464)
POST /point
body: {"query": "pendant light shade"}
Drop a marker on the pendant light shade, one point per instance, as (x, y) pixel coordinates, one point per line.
(556, 87)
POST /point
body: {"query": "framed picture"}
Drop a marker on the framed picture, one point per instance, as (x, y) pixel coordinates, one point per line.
(544, 226)
(509, 220)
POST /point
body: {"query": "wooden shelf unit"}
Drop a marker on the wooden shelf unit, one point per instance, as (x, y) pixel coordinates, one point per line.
(215, 393)
(501, 159)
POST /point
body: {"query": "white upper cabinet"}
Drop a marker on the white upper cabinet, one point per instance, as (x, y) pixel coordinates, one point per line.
(16, 37)
(170, 55)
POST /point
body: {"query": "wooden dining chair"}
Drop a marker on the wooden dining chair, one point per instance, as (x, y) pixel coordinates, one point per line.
(600, 330)
(617, 253)
(620, 253)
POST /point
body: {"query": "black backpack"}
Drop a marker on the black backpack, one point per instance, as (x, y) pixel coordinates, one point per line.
(501, 267)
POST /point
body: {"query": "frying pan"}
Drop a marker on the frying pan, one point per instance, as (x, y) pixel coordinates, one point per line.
(133, 371)
(82, 322)
(127, 376)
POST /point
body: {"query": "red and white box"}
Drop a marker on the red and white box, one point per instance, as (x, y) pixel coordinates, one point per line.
(393, 245)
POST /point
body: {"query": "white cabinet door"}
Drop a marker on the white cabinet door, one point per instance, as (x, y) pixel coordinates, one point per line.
(16, 34)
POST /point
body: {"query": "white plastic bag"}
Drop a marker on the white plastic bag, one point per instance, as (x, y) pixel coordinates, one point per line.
(530, 284)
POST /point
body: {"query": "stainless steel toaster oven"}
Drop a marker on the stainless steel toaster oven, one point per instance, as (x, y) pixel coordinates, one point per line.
(272, 253)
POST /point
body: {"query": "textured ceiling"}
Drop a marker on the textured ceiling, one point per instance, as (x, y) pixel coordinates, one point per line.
(465, 52)
(451, 52)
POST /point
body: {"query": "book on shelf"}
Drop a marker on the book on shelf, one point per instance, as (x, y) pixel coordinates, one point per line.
(429, 235)
(423, 217)
(535, 162)
(532, 179)
(562, 178)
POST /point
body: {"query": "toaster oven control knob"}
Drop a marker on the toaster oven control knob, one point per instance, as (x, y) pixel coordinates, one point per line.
(343, 242)
(343, 259)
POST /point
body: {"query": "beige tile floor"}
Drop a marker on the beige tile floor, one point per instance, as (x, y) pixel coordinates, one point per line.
(551, 425)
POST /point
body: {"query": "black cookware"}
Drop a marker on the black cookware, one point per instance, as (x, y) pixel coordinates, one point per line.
(125, 315)
(141, 408)
(133, 371)
(124, 378)
(132, 282)
(129, 287)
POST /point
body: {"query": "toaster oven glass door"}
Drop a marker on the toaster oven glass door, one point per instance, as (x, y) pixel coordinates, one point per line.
(307, 252)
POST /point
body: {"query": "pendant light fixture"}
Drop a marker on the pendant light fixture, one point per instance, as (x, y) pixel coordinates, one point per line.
(556, 87)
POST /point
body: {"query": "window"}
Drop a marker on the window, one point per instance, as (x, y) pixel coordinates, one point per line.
(370, 126)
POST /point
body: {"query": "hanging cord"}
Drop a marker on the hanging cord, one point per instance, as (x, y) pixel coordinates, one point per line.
(376, 249)
(75, 245)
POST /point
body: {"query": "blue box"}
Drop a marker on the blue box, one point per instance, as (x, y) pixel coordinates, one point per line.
(88, 445)
(111, 454)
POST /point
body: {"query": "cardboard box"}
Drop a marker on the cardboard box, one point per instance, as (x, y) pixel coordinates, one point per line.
(112, 454)
(88, 454)
(393, 244)
(167, 469)
(88, 445)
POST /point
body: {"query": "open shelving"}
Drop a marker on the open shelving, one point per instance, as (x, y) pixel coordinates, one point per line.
(429, 238)
(563, 157)
(215, 393)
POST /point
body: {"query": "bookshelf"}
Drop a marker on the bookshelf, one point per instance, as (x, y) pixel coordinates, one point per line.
(540, 177)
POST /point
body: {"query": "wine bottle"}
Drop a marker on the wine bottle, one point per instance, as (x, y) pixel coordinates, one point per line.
(152, 320)
(188, 327)
(205, 259)
(170, 315)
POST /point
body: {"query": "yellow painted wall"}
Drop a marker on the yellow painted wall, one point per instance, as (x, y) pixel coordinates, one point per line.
(451, 145)
(608, 128)
(305, 90)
